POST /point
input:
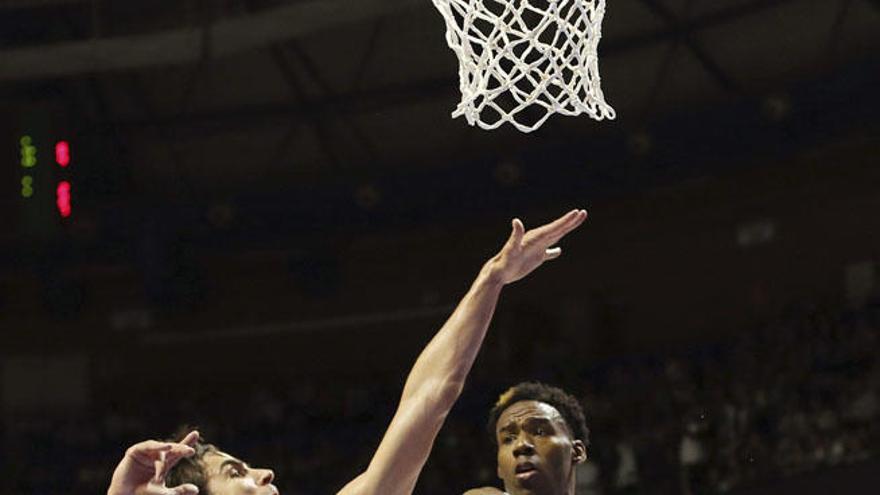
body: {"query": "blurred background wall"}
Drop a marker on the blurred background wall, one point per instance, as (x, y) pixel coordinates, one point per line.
(268, 212)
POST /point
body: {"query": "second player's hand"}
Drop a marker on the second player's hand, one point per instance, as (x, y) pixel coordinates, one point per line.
(143, 468)
(527, 250)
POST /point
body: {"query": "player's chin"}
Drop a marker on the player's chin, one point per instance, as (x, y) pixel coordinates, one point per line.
(532, 482)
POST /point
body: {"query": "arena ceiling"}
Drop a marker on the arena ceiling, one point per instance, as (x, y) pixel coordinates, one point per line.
(219, 95)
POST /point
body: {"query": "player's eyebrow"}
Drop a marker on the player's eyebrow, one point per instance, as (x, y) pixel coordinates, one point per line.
(510, 426)
(233, 462)
(537, 420)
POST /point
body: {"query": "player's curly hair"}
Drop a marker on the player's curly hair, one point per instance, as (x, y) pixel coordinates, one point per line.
(567, 405)
(191, 469)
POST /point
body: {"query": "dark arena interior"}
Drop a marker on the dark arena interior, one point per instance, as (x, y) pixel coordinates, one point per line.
(250, 216)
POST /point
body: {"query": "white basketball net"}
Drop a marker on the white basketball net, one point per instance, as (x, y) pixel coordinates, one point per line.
(521, 61)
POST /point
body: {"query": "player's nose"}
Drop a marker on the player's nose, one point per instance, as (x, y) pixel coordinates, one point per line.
(523, 446)
(263, 476)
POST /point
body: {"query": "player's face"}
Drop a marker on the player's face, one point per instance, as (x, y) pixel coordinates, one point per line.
(536, 453)
(230, 476)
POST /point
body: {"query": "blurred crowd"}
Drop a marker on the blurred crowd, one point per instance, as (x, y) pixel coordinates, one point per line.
(796, 395)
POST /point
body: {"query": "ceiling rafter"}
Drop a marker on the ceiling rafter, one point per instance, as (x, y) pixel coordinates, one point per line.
(427, 89)
(184, 45)
(189, 87)
(313, 71)
(342, 104)
(663, 70)
(33, 4)
(686, 36)
(367, 57)
(836, 32)
(713, 19)
(97, 95)
(140, 96)
(325, 139)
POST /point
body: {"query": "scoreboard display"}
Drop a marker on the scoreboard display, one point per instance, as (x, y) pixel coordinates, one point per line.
(57, 154)
(40, 159)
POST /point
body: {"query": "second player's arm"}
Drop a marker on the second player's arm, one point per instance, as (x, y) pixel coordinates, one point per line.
(437, 378)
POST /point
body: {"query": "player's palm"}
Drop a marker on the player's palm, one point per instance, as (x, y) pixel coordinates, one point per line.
(142, 471)
(526, 251)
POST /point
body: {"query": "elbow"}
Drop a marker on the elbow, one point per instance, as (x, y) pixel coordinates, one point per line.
(439, 395)
(448, 392)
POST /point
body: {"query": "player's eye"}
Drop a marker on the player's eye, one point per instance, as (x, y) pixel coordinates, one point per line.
(236, 472)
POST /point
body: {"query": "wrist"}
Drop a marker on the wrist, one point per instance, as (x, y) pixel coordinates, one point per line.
(491, 274)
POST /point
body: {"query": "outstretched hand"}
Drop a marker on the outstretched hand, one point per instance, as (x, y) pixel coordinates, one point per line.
(526, 251)
(143, 469)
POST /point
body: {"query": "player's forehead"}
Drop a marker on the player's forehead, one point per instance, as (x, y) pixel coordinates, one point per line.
(522, 411)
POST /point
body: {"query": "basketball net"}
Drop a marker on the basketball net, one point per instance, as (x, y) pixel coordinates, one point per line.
(521, 61)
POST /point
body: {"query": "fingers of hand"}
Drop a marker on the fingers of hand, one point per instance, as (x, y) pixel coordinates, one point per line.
(571, 222)
(517, 232)
(178, 451)
(555, 226)
(551, 233)
(150, 447)
(145, 453)
(579, 219)
(173, 457)
(181, 450)
(149, 451)
(563, 221)
(158, 466)
(191, 438)
(553, 253)
(163, 465)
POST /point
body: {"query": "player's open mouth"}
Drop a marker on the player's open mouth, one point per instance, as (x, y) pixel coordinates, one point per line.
(525, 470)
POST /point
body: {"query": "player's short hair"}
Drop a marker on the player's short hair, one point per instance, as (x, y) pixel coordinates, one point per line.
(567, 405)
(191, 469)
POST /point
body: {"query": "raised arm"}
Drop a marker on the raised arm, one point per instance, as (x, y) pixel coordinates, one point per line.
(437, 378)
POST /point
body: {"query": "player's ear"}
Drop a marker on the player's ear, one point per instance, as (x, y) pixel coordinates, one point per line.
(579, 452)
